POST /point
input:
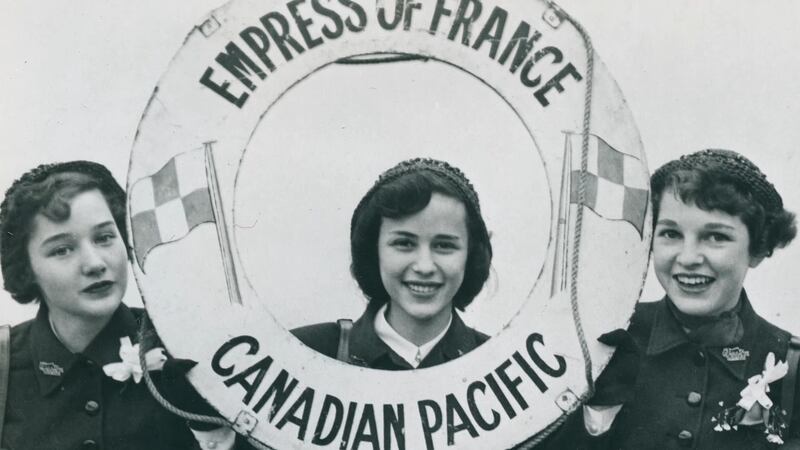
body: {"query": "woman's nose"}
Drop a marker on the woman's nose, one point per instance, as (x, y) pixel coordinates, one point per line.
(92, 261)
(690, 254)
(424, 264)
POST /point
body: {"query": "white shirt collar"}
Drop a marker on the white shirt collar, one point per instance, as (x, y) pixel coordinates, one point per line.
(409, 351)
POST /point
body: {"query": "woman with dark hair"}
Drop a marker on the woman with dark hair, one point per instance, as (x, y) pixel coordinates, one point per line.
(74, 372)
(420, 252)
(712, 374)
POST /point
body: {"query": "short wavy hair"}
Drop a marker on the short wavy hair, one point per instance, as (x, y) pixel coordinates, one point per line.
(47, 190)
(726, 181)
(403, 196)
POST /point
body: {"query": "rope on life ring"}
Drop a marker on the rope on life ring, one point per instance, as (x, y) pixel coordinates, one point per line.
(573, 292)
(587, 360)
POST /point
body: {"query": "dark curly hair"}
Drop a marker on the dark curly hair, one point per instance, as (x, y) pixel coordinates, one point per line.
(727, 181)
(406, 192)
(47, 190)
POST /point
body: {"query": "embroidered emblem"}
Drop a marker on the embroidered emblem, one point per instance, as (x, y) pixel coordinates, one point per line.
(735, 354)
(51, 369)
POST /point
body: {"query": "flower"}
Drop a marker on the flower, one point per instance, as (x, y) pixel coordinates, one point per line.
(129, 366)
(754, 406)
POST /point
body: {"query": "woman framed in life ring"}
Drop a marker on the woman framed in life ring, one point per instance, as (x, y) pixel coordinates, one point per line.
(709, 372)
(420, 252)
(74, 374)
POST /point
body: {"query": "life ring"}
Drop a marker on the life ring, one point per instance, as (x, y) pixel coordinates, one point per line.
(189, 163)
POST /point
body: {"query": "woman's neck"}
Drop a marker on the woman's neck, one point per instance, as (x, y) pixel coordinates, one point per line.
(415, 331)
(76, 333)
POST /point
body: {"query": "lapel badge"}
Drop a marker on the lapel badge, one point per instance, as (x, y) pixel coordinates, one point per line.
(51, 369)
(732, 354)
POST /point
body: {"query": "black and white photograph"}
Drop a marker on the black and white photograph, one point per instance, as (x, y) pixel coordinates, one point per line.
(399, 224)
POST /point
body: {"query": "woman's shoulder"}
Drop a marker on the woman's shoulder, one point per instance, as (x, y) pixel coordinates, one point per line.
(321, 337)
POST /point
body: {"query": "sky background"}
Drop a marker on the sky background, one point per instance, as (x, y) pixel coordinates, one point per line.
(76, 77)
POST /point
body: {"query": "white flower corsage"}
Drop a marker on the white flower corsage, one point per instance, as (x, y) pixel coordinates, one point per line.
(129, 366)
(754, 406)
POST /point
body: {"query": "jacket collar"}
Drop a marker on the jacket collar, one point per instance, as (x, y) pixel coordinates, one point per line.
(668, 334)
(366, 348)
(53, 362)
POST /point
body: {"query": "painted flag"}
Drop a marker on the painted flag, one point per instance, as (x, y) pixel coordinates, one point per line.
(616, 184)
(167, 205)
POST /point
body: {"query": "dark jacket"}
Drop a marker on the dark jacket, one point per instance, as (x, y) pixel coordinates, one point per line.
(368, 350)
(683, 385)
(61, 400)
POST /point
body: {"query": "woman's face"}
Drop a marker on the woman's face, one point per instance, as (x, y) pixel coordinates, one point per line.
(80, 264)
(700, 257)
(422, 259)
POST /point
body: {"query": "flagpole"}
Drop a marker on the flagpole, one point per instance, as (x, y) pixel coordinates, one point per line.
(559, 282)
(222, 229)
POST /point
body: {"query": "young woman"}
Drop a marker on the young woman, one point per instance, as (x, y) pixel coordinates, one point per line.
(420, 251)
(63, 244)
(710, 373)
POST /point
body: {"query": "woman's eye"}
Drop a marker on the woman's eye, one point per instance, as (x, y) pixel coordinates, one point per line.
(105, 238)
(445, 245)
(402, 243)
(62, 250)
(669, 234)
(718, 237)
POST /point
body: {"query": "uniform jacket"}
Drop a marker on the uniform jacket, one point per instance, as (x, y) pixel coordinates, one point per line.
(59, 400)
(368, 350)
(682, 385)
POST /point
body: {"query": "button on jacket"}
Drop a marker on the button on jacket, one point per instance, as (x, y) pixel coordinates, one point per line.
(59, 400)
(682, 385)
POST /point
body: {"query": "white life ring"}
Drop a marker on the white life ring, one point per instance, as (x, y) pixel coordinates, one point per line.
(186, 169)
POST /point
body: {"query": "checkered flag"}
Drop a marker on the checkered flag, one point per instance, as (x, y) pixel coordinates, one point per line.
(167, 205)
(616, 184)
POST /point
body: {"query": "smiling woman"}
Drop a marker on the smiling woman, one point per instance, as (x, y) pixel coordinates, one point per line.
(420, 250)
(713, 373)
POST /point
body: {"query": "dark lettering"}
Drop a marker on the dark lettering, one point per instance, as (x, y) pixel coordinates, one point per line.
(241, 378)
(235, 61)
(398, 14)
(367, 435)
(361, 15)
(411, 5)
(302, 24)
(463, 21)
(305, 401)
(438, 12)
(473, 407)
(394, 421)
(537, 380)
(524, 75)
(511, 384)
(492, 31)
(328, 403)
(454, 408)
(520, 37)
(216, 361)
(259, 48)
(222, 89)
(428, 427)
(536, 337)
(281, 391)
(348, 425)
(338, 26)
(282, 37)
(501, 397)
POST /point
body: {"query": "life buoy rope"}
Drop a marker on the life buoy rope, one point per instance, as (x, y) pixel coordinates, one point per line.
(586, 127)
